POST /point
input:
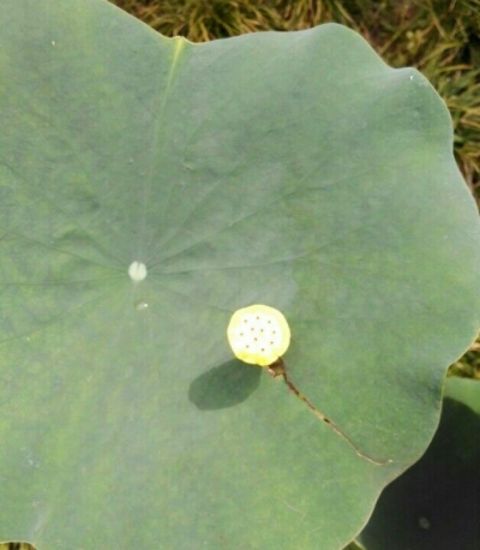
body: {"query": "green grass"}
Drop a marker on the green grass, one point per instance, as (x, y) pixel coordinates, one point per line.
(439, 37)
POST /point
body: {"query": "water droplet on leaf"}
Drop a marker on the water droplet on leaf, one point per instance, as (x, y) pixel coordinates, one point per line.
(137, 271)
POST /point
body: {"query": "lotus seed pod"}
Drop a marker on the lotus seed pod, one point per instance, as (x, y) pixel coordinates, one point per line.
(258, 334)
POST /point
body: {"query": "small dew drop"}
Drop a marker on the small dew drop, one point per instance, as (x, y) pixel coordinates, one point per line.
(141, 306)
(137, 271)
(411, 77)
(53, 43)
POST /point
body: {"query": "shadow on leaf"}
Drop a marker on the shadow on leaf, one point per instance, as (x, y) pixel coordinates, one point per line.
(16, 546)
(224, 386)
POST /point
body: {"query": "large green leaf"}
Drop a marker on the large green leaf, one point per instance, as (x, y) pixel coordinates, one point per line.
(295, 170)
(435, 505)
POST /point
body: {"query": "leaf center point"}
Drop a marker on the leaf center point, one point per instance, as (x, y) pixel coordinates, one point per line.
(137, 271)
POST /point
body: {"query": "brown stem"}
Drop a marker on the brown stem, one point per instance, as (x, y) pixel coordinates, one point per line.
(278, 369)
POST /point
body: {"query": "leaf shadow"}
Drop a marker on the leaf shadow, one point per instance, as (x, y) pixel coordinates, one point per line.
(224, 386)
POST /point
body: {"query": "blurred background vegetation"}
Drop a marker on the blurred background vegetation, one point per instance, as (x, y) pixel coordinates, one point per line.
(441, 38)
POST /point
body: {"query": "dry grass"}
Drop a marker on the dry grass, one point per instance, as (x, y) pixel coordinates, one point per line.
(439, 37)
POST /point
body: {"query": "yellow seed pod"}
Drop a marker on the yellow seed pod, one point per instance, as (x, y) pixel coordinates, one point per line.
(258, 334)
